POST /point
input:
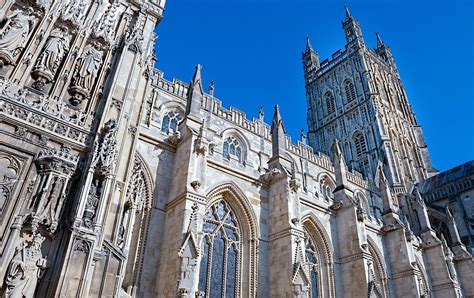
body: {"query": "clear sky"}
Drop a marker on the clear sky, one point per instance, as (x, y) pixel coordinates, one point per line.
(252, 50)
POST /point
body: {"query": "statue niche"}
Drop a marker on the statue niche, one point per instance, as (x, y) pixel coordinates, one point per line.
(51, 57)
(85, 74)
(13, 35)
(25, 269)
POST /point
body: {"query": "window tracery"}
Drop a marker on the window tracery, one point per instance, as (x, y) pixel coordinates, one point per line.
(220, 270)
(232, 148)
(326, 188)
(330, 104)
(350, 90)
(170, 121)
(360, 145)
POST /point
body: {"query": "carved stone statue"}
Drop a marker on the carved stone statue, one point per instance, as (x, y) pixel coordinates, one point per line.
(74, 10)
(25, 268)
(13, 34)
(86, 73)
(53, 53)
(91, 204)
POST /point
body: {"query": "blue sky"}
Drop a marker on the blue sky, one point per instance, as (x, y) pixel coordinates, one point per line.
(252, 50)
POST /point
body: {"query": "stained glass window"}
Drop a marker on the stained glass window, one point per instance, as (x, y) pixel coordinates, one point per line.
(232, 148)
(219, 268)
(170, 121)
(313, 263)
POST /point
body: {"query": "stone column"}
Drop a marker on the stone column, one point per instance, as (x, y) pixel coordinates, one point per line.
(179, 262)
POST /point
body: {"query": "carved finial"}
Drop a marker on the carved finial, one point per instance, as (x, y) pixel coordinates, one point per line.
(309, 48)
(211, 88)
(348, 13)
(261, 113)
(303, 136)
(278, 133)
(379, 40)
(195, 93)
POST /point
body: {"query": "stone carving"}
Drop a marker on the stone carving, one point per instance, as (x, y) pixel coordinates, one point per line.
(25, 269)
(106, 150)
(51, 57)
(55, 167)
(190, 251)
(268, 176)
(92, 203)
(105, 27)
(9, 172)
(13, 35)
(135, 36)
(86, 72)
(74, 10)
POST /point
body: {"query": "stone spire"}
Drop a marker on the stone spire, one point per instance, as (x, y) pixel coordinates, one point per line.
(278, 134)
(452, 227)
(353, 32)
(339, 165)
(348, 13)
(309, 48)
(195, 93)
(310, 60)
(379, 40)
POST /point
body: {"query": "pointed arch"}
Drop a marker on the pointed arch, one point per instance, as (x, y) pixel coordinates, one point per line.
(134, 224)
(241, 139)
(379, 265)
(237, 201)
(323, 246)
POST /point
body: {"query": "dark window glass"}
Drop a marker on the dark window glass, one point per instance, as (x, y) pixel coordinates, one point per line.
(219, 263)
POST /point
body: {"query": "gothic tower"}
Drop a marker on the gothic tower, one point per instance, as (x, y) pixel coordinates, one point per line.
(357, 97)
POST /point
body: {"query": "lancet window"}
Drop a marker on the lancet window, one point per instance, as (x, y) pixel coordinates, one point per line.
(221, 253)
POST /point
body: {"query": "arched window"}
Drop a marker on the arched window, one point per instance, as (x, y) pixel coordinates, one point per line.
(232, 148)
(360, 145)
(330, 105)
(350, 90)
(327, 188)
(219, 270)
(170, 121)
(312, 259)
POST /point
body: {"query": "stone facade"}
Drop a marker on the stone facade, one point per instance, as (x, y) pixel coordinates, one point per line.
(117, 182)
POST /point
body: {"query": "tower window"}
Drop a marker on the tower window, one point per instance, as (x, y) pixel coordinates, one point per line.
(330, 105)
(170, 121)
(232, 148)
(360, 145)
(350, 90)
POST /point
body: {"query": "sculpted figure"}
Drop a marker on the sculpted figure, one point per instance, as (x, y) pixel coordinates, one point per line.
(25, 269)
(88, 68)
(54, 51)
(74, 10)
(14, 33)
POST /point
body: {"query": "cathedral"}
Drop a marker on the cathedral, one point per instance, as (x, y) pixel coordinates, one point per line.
(117, 182)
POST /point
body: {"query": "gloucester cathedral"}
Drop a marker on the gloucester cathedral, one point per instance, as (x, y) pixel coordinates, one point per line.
(117, 182)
